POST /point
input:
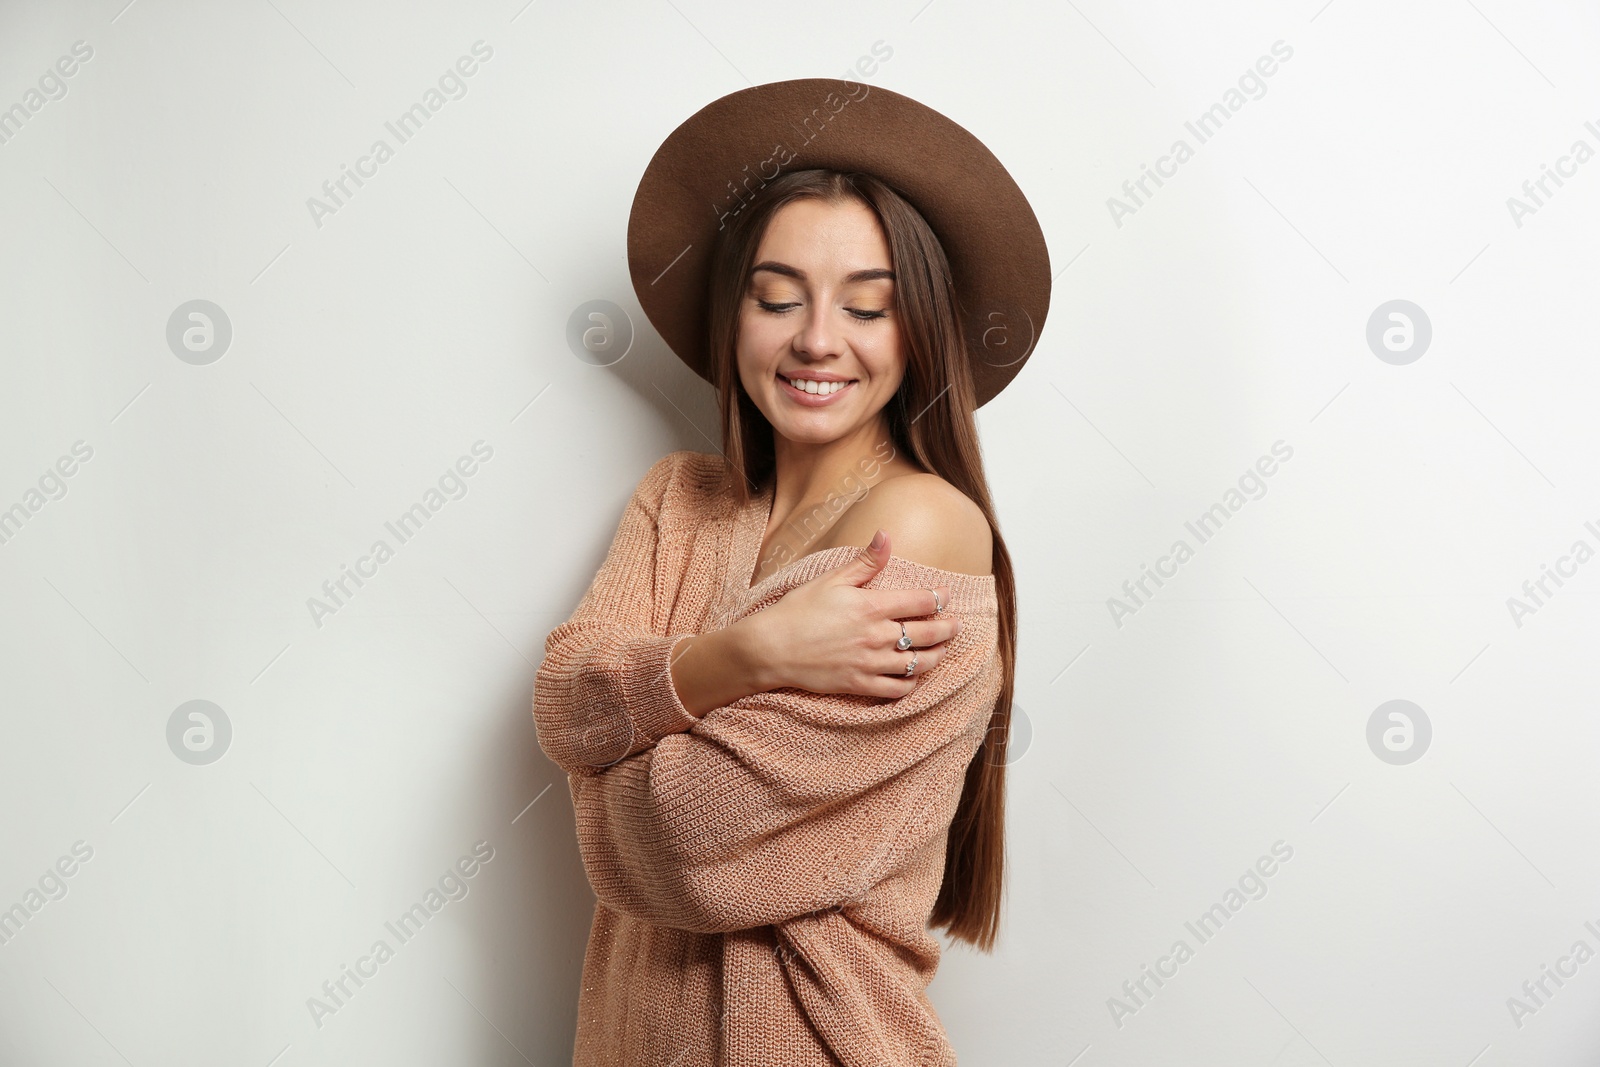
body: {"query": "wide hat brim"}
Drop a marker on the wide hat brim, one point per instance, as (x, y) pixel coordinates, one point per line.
(722, 155)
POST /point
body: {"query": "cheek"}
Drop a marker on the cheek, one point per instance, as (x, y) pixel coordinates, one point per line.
(753, 368)
(746, 348)
(886, 364)
(751, 357)
(749, 376)
(758, 339)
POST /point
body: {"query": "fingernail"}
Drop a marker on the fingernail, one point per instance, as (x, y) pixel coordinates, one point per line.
(877, 541)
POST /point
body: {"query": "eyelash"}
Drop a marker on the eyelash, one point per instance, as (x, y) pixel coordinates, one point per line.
(783, 309)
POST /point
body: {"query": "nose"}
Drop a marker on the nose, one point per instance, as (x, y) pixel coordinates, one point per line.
(818, 336)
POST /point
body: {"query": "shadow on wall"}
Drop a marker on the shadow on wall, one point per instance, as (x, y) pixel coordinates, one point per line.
(531, 941)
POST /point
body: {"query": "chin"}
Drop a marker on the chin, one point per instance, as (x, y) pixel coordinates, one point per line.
(815, 430)
(808, 438)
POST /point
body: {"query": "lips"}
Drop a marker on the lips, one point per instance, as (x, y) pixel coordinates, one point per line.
(813, 393)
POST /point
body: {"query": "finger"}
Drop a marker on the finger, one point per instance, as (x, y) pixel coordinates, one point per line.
(893, 664)
(908, 603)
(925, 633)
(860, 568)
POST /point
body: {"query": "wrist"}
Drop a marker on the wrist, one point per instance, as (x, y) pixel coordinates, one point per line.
(749, 655)
(713, 669)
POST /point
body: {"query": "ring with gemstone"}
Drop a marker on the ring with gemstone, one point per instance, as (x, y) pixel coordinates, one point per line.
(905, 640)
(912, 666)
(938, 608)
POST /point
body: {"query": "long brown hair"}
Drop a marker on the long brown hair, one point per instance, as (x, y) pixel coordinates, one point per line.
(930, 417)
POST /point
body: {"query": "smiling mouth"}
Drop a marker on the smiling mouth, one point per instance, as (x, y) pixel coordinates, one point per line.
(814, 387)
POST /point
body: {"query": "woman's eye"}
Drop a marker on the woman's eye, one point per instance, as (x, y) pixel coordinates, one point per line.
(780, 309)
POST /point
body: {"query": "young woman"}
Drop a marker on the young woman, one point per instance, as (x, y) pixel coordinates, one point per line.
(783, 702)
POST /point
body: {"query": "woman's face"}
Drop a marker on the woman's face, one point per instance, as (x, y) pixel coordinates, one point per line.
(819, 346)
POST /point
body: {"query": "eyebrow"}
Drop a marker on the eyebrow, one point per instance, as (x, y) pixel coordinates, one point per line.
(866, 275)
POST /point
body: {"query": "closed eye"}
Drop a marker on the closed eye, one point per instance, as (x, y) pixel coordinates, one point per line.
(783, 309)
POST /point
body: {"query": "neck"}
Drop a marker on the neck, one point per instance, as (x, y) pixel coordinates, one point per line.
(806, 475)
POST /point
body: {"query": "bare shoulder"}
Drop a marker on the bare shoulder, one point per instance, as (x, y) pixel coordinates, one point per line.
(928, 520)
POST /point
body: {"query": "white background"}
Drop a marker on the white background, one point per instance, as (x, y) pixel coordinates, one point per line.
(1167, 753)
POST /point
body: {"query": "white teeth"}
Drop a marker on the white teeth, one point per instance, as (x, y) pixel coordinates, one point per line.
(811, 386)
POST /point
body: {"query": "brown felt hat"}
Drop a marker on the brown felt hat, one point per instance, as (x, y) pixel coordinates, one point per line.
(721, 157)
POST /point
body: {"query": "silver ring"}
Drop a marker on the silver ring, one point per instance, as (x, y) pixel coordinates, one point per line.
(904, 644)
(912, 665)
(938, 608)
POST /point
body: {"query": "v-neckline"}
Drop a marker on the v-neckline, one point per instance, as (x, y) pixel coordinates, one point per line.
(760, 514)
(753, 521)
(757, 516)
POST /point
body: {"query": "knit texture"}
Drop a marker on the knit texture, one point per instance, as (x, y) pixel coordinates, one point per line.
(764, 873)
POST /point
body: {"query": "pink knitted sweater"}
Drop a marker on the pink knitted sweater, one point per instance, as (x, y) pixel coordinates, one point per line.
(765, 873)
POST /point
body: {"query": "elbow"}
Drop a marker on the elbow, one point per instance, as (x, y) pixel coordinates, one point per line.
(566, 729)
(550, 724)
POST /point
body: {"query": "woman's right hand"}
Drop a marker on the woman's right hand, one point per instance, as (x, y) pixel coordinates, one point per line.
(831, 636)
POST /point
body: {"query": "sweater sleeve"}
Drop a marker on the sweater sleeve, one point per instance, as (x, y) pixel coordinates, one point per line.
(788, 802)
(604, 690)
